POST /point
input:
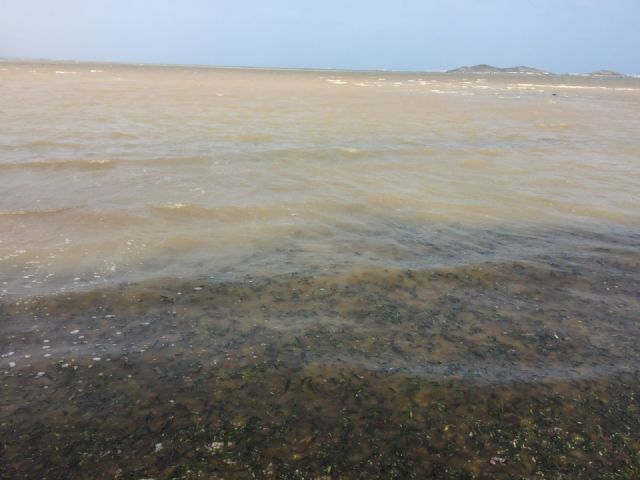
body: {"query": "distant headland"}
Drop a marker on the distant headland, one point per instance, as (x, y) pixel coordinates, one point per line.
(490, 69)
(606, 73)
(484, 68)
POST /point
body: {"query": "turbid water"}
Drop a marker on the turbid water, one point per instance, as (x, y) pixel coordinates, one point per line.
(227, 273)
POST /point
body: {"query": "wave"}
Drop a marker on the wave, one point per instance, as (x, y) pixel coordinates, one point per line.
(189, 211)
(37, 213)
(177, 161)
(78, 215)
(40, 144)
(61, 165)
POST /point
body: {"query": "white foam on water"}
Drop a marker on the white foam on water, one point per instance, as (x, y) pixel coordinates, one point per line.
(174, 206)
(575, 87)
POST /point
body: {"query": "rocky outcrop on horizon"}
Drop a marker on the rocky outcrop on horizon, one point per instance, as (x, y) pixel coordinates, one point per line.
(605, 73)
(484, 68)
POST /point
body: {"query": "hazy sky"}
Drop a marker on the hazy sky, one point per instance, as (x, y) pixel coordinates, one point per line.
(558, 35)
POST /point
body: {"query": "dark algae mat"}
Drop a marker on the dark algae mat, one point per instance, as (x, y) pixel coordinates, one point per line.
(495, 370)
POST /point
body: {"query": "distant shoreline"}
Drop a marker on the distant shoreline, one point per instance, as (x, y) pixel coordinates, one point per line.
(529, 71)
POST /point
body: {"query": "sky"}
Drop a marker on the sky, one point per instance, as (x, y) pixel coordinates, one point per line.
(563, 36)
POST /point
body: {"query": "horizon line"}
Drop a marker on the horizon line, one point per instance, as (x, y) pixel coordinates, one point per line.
(327, 69)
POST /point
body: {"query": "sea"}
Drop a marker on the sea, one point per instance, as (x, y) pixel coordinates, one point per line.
(317, 274)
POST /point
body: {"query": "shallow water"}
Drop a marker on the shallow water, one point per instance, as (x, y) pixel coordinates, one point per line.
(115, 172)
(218, 273)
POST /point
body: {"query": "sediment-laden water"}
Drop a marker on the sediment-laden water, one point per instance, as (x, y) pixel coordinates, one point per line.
(219, 273)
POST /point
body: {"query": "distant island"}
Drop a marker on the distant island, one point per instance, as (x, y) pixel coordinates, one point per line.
(483, 68)
(490, 69)
(606, 73)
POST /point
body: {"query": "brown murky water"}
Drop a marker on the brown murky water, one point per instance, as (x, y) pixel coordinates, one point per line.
(267, 274)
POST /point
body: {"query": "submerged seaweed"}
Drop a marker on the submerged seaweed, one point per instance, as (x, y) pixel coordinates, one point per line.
(493, 371)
